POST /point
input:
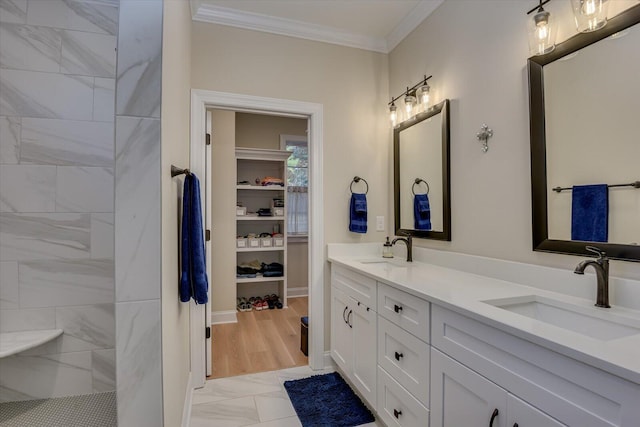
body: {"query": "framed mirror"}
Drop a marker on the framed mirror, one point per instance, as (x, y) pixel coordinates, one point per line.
(422, 204)
(584, 101)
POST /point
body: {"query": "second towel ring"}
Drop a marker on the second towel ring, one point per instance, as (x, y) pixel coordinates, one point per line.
(417, 182)
(357, 179)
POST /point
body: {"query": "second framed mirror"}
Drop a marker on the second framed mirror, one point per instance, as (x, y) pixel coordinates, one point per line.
(422, 205)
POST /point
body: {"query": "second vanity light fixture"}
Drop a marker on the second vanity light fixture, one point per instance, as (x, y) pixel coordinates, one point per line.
(416, 100)
(590, 15)
(542, 32)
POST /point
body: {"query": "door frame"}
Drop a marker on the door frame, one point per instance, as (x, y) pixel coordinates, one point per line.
(200, 101)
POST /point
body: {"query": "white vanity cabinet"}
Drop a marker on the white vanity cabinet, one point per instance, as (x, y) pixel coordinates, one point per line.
(461, 397)
(403, 358)
(565, 391)
(353, 329)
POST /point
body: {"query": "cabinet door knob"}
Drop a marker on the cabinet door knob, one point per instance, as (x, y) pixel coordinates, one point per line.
(493, 416)
(397, 413)
(349, 318)
(344, 314)
(397, 308)
(515, 425)
(399, 356)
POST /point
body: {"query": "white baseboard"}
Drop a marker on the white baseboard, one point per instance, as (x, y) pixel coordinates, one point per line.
(328, 361)
(186, 410)
(301, 291)
(227, 316)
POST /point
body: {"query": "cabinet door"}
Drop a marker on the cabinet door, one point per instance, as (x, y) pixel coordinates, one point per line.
(341, 330)
(363, 320)
(521, 414)
(460, 397)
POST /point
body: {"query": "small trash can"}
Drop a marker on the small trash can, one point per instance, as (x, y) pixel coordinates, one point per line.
(304, 335)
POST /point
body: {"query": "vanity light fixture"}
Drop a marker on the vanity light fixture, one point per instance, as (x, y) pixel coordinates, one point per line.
(416, 100)
(393, 113)
(590, 15)
(542, 32)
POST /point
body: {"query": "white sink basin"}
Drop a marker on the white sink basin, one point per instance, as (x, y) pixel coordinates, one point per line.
(600, 323)
(389, 261)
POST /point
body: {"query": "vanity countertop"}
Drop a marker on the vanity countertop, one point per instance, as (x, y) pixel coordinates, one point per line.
(465, 292)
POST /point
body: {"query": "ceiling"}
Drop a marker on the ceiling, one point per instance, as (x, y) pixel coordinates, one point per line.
(377, 25)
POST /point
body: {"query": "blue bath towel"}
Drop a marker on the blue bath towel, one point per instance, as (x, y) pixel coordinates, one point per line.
(590, 213)
(358, 213)
(421, 212)
(193, 277)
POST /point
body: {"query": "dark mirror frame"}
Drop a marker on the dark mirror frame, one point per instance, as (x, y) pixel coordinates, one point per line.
(445, 234)
(541, 241)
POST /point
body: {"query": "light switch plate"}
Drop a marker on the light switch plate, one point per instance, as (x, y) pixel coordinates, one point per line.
(380, 223)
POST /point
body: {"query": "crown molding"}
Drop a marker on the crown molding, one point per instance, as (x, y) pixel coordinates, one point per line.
(286, 27)
(410, 22)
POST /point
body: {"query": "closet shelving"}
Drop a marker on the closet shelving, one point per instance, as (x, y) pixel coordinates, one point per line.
(253, 164)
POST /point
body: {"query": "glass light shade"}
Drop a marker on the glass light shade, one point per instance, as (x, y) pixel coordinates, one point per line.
(409, 103)
(590, 15)
(422, 93)
(542, 33)
(393, 114)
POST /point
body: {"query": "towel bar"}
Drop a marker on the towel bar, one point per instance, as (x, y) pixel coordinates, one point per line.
(175, 171)
(633, 184)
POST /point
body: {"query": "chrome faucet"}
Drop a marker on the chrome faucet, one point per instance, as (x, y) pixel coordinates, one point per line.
(601, 266)
(407, 241)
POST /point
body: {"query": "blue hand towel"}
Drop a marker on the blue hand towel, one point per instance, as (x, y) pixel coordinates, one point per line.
(590, 213)
(358, 213)
(193, 278)
(421, 212)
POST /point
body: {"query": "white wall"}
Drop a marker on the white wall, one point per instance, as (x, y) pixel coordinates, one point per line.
(176, 94)
(477, 52)
(351, 84)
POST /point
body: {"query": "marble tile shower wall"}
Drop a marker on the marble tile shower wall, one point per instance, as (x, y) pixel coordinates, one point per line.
(57, 162)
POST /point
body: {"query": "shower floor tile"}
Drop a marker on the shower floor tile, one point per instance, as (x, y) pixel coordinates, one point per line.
(95, 410)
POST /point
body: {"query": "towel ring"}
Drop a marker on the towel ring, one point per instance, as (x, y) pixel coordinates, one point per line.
(417, 182)
(357, 179)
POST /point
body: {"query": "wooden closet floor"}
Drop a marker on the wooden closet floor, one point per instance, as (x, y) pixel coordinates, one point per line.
(265, 340)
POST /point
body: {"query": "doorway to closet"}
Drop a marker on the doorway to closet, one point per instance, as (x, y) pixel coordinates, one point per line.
(222, 293)
(259, 164)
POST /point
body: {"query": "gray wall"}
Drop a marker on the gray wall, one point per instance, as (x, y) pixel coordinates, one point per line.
(57, 79)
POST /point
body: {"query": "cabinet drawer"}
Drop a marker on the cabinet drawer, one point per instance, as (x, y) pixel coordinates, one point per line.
(361, 288)
(405, 358)
(568, 390)
(396, 406)
(405, 310)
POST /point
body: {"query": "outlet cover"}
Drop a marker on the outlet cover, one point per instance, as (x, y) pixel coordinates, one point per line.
(380, 223)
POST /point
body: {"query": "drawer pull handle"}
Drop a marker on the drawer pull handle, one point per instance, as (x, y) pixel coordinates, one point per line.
(344, 313)
(397, 413)
(397, 308)
(349, 319)
(493, 416)
(399, 356)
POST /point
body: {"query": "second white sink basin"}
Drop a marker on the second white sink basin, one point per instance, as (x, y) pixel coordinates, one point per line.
(590, 321)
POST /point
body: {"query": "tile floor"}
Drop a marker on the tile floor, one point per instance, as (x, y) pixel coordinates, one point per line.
(257, 400)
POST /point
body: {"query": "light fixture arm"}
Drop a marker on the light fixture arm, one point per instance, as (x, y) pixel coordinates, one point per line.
(411, 90)
(538, 8)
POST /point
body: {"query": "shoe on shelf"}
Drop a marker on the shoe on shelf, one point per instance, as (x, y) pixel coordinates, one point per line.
(270, 301)
(256, 303)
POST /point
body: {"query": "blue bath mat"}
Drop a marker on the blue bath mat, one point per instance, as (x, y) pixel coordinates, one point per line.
(327, 401)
